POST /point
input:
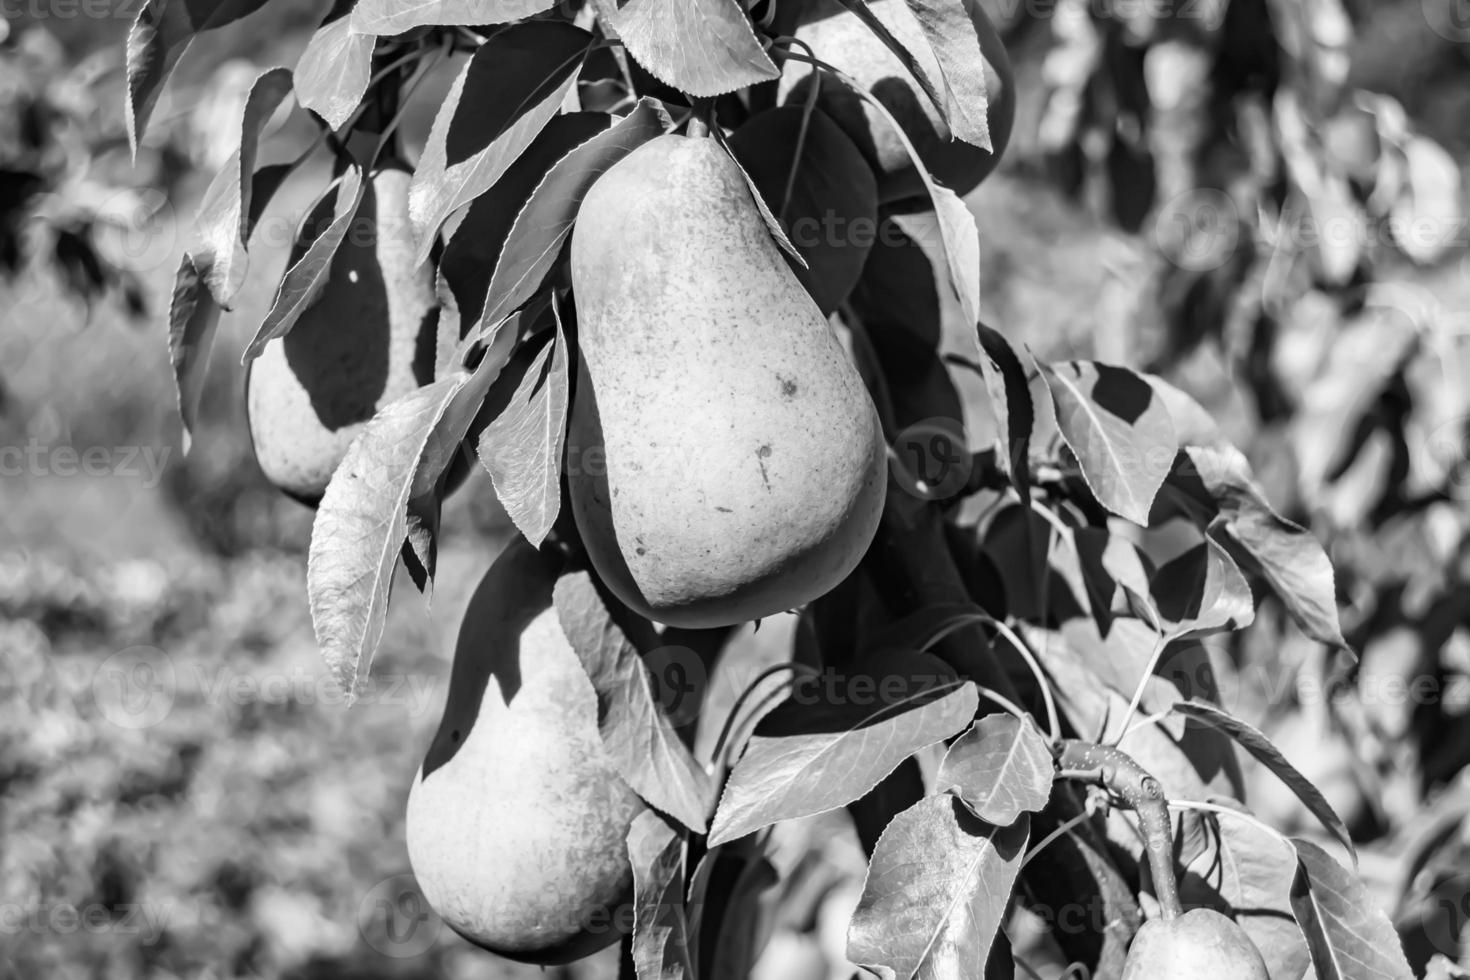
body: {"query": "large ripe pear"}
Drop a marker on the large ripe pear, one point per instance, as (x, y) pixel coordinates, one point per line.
(837, 37)
(517, 822)
(368, 339)
(1199, 943)
(724, 459)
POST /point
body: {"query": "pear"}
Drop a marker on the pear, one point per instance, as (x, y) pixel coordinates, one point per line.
(1199, 943)
(837, 37)
(725, 461)
(368, 339)
(517, 821)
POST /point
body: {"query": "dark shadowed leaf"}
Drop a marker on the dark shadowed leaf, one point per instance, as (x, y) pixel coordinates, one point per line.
(193, 318)
(639, 737)
(321, 233)
(951, 33)
(541, 228)
(157, 40)
(510, 88)
(726, 915)
(362, 521)
(1286, 554)
(522, 446)
(700, 47)
(922, 629)
(469, 259)
(1258, 745)
(397, 16)
(1349, 936)
(822, 197)
(661, 949)
(827, 755)
(334, 71)
(1121, 434)
(1000, 768)
(1203, 591)
(223, 225)
(1010, 398)
(937, 892)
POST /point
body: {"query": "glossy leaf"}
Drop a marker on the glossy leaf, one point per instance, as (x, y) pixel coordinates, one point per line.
(541, 228)
(642, 742)
(951, 33)
(661, 945)
(1203, 591)
(471, 256)
(316, 246)
(937, 892)
(703, 48)
(333, 72)
(522, 446)
(1000, 768)
(158, 38)
(1349, 936)
(1257, 744)
(1121, 434)
(193, 318)
(511, 87)
(224, 221)
(834, 758)
(398, 16)
(362, 522)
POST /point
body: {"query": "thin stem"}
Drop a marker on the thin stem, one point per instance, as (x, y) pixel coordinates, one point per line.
(745, 695)
(1005, 702)
(1148, 671)
(1060, 832)
(1053, 723)
(1228, 811)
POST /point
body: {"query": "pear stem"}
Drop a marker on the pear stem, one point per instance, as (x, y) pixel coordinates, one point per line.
(1124, 778)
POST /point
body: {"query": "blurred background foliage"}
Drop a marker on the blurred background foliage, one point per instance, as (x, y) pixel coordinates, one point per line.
(250, 826)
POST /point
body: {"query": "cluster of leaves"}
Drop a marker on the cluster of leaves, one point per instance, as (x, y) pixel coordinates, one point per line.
(1066, 575)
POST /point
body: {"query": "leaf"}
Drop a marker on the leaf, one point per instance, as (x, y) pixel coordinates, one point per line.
(702, 48)
(1427, 218)
(956, 224)
(522, 446)
(1010, 399)
(660, 929)
(1000, 768)
(1287, 554)
(510, 88)
(1349, 936)
(536, 238)
(727, 917)
(193, 318)
(469, 259)
(921, 629)
(1258, 745)
(936, 893)
(1120, 433)
(386, 17)
(643, 745)
(157, 40)
(333, 72)
(303, 281)
(362, 522)
(834, 757)
(888, 33)
(223, 225)
(820, 196)
(951, 33)
(1193, 426)
(1203, 591)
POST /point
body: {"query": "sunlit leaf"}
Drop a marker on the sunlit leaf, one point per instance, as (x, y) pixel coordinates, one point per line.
(333, 72)
(661, 944)
(1349, 936)
(1000, 768)
(398, 16)
(701, 47)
